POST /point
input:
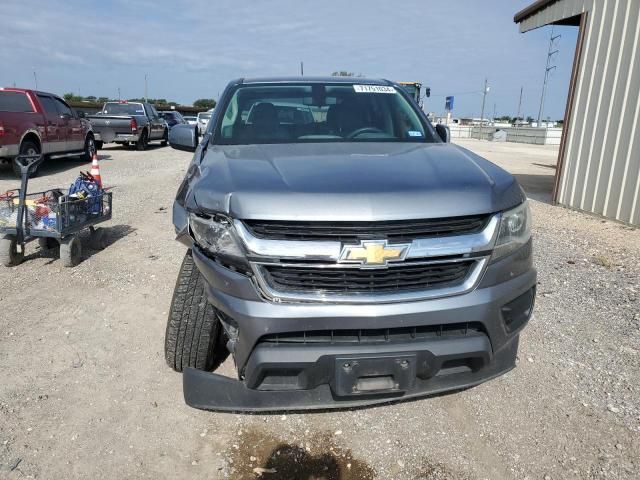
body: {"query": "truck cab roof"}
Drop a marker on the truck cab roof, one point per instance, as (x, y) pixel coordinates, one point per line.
(298, 79)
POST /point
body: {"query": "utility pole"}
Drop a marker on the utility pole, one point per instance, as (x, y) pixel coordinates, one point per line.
(547, 69)
(484, 100)
(519, 105)
(119, 94)
(302, 69)
(35, 78)
(494, 112)
(146, 99)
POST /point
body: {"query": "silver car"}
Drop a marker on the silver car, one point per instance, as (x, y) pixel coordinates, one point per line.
(343, 251)
(203, 121)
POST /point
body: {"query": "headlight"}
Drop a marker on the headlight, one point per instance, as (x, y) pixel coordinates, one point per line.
(215, 235)
(514, 230)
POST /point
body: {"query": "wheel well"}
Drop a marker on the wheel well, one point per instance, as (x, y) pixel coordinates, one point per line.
(32, 137)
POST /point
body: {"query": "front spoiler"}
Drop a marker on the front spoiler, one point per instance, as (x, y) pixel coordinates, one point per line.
(210, 391)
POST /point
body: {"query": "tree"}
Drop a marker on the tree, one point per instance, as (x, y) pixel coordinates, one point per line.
(70, 97)
(103, 99)
(205, 103)
(343, 73)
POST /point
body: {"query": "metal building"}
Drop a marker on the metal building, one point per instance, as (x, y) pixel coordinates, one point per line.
(599, 161)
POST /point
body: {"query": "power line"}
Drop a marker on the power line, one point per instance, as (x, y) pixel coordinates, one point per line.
(520, 103)
(484, 99)
(547, 69)
(475, 92)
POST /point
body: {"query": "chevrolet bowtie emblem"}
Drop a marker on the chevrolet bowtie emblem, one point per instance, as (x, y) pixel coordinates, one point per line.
(373, 253)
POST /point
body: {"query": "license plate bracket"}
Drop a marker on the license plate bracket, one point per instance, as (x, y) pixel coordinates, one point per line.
(370, 375)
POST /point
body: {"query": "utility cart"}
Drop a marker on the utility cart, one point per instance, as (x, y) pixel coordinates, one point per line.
(53, 217)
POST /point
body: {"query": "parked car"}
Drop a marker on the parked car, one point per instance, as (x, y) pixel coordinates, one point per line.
(33, 122)
(191, 120)
(128, 123)
(172, 118)
(203, 121)
(350, 260)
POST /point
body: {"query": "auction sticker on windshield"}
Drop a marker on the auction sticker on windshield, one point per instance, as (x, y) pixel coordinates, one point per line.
(373, 89)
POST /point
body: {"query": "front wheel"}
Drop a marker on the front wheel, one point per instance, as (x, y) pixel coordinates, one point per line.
(89, 148)
(143, 141)
(194, 333)
(70, 251)
(9, 254)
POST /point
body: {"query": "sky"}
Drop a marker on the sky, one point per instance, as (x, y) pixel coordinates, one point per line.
(191, 49)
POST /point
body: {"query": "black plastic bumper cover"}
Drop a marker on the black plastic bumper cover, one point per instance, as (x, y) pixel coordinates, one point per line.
(210, 391)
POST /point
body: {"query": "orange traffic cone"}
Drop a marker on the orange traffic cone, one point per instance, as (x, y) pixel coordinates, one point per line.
(95, 170)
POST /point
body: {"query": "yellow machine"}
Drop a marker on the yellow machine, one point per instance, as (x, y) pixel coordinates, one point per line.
(413, 88)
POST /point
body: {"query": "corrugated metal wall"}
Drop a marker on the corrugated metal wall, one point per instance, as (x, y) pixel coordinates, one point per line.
(601, 166)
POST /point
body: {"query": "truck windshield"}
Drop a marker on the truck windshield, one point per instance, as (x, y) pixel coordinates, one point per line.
(297, 113)
(123, 109)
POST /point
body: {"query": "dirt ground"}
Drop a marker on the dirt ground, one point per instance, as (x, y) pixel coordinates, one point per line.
(85, 391)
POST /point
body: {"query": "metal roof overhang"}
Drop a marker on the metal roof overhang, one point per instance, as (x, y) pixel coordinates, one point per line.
(548, 12)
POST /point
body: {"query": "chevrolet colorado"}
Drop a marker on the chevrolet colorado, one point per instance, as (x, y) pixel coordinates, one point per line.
(348, 257)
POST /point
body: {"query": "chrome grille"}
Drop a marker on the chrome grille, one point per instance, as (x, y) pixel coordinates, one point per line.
(353, 232)
(304, 261)
(397, 278)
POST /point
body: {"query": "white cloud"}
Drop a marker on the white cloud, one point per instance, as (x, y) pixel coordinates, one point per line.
(191, 48)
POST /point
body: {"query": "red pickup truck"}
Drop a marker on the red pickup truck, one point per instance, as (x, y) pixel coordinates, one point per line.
(34, 122)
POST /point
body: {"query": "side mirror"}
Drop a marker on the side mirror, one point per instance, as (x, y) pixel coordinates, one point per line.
(80, 114)
(184, 137)
(443, 132)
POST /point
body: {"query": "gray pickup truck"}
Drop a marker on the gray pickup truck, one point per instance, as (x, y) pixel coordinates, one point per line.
(349, 257)
(128, 123)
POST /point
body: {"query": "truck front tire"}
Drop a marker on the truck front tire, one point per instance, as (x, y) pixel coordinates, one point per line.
(143, 141)
(194, 333)
(89, 148)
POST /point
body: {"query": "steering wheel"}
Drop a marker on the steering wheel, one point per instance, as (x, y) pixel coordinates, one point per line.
(362, 130)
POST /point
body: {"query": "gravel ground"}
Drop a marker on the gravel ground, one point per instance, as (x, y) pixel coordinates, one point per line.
(85, 391)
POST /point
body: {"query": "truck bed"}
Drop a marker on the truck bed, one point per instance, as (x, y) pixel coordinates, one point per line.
(110, 128)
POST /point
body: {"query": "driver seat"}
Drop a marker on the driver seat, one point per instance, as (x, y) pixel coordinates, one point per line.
(344, 118)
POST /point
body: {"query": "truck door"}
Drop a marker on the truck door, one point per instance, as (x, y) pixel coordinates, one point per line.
(156, 123)
(72, 128)
(53, 140)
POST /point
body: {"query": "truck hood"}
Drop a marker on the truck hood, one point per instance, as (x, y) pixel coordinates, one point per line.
(349, 181)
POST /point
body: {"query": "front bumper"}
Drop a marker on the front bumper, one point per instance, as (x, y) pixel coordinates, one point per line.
(281, 376)
(210, 391)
